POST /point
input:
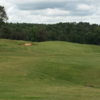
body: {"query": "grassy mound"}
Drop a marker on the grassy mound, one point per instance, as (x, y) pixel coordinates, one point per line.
(50, 70)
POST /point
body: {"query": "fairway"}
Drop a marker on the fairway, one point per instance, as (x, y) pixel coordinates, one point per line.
(52, 70)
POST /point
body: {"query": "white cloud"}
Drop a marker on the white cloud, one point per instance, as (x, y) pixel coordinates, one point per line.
(57, 12)
(52, 11)
(27, 1)
(84, 7)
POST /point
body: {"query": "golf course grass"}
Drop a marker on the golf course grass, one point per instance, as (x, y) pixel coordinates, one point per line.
(51, 70)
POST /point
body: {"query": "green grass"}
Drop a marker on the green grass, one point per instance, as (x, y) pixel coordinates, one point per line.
(50, 70)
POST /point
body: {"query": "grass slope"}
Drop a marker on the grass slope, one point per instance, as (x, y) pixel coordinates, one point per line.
(49, 71)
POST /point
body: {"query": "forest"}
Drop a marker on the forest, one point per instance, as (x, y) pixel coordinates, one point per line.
(82, 32)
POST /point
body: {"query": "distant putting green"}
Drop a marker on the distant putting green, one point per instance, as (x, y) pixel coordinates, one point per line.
(52, 70)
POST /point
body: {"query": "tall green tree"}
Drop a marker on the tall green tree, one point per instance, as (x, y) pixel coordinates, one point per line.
(42, 35)
(33, 34)
(6, 32)
(3, 15)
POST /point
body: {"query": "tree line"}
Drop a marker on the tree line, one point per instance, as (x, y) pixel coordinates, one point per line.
(82, 32)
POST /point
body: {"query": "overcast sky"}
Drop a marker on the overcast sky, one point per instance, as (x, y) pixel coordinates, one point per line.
(52, 11)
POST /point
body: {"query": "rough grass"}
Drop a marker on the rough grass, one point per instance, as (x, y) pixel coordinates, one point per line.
(49, 71)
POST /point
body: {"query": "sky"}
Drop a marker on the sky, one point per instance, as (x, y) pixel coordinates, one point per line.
(52, 11)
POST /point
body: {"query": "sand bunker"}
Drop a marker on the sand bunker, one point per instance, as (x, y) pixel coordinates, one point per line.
(27, 44)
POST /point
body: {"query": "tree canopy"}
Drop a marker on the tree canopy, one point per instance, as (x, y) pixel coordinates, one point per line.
(81, 32)
(3, 15)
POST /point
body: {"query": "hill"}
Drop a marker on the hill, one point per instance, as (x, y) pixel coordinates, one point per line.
(52, 70)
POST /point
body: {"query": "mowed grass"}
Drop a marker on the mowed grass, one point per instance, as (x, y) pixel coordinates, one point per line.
(50, 70)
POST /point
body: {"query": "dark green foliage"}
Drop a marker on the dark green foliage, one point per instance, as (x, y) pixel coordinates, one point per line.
(42, 35)
(33, 34)
(6, 33)
(83, 33)
(63, 37)
(3, 16)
